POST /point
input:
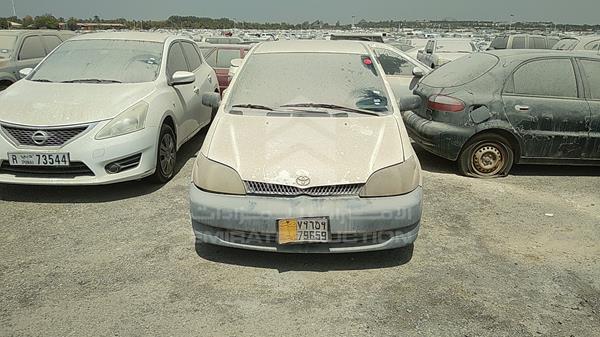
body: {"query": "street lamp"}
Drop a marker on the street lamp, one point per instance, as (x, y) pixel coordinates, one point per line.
(14, 10)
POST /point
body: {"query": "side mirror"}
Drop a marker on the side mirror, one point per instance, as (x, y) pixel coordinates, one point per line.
(236, 63)
(407, 103)
(25, 72)
(211, 99)
(183, 77)
(418, 72)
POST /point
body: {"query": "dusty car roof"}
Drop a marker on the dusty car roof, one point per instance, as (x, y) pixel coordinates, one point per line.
(29, 31)
(138, 36)
(528, 53)
(312, 46)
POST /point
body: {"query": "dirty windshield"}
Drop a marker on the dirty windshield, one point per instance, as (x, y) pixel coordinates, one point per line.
(102, 61)
(279, 79)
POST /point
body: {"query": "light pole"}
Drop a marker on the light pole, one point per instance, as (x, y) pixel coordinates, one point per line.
(512, 18)
(14, 10)
(353, 21)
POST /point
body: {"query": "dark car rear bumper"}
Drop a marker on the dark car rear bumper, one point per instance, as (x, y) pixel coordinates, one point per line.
(441, 139)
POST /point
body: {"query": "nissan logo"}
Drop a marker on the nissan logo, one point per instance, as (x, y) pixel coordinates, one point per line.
(40, 137)
(303, 181)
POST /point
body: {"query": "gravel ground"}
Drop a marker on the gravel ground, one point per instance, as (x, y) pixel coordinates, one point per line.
(508, 257)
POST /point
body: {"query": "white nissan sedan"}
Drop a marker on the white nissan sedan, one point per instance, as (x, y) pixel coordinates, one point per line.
(104, 108)
(308, 153)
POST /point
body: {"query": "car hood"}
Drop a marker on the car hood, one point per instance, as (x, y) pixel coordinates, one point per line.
(53, 104)
(330, 151)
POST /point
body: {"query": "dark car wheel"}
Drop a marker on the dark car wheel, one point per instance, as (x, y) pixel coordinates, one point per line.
(166, 155)
(4, 85)
(486, 156)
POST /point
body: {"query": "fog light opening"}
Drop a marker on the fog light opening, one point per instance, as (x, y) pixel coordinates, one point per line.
(113, 168)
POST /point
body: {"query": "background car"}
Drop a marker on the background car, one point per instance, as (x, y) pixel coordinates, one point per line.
(492, 109)
(21, 49)
(307, 131)
(588, 42)
(438, 52)
(105, 108)
(402, 71)
(523, 41)
(219, 57)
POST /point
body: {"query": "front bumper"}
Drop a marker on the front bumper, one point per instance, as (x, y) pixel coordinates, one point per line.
(90, 154)
(356, 224)
(441, 139)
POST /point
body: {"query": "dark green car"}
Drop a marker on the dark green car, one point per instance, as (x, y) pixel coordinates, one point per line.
(490, 110)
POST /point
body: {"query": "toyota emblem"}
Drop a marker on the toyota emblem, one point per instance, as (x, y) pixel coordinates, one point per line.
(303, 181)
(40, 137)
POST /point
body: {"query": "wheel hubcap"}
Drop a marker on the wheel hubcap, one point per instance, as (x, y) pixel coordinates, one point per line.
(488, 159)
(166, 154)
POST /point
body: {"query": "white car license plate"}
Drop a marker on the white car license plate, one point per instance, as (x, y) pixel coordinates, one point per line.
(303, 230)
(38, 159)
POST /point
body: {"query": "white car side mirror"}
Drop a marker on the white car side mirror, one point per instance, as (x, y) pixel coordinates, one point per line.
(25, 72)
(183, 77)
(418, 72)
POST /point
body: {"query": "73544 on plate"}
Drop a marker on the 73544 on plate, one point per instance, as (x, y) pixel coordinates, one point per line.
(38, 159)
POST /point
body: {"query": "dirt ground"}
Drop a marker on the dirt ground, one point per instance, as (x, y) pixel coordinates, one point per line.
(517, 256)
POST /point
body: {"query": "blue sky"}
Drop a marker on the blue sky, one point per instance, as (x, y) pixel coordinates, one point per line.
(561, 11)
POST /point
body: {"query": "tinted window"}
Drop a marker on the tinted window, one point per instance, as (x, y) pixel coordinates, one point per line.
(210, 55)
(537, 43)
(176, 60)
(552, 41)
(594, 45)
(591, 71)
(519, 42)
(32, 48)
(51, 42)
(461, 71)
(192, 55)
(225, 56)
(393, 64)
(499, 43)
(554, 77)
(429, 47)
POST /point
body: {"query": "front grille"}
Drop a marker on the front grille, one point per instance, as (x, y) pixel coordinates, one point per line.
(258, 188)
(75, 169)
(55, 136)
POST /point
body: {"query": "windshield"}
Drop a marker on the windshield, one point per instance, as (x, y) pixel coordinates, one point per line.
(274, 80)
(461, 71)
(565, 44)
(454, 47)
(102, 61)
(7, 44)
(500, 42)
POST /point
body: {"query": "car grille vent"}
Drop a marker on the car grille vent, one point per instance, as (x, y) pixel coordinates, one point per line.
(75, 169)
(53, 136)
(258, 188)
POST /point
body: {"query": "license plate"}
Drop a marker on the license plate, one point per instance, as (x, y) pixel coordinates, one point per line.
(38, 159)
(303, 230)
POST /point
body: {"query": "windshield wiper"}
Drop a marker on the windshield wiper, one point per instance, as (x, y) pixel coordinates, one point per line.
(331, 106)
(253, 106)
(42, 80)
(91, 80)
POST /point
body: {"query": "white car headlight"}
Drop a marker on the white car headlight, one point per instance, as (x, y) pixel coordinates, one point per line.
(215, 177)
(128, 121)
(394, 180)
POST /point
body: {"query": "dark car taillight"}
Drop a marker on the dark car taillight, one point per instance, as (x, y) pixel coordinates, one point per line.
(445, 103)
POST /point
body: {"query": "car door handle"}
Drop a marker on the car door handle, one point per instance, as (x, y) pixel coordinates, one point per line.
(521, 107)
(196, 90)
(209, 78)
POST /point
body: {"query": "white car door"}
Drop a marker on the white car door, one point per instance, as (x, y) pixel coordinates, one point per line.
(205, 83)
(184, 93)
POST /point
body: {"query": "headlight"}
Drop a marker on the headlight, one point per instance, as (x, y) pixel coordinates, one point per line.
(130, 120)
(215, 177)
(394, 180)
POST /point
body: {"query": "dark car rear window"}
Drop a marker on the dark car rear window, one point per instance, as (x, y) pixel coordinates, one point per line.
(500, 42)
(461, 71)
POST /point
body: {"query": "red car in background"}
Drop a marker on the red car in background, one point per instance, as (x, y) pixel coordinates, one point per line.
(219, 57)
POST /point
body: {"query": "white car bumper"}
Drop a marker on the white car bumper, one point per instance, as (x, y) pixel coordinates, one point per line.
(88, 157)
